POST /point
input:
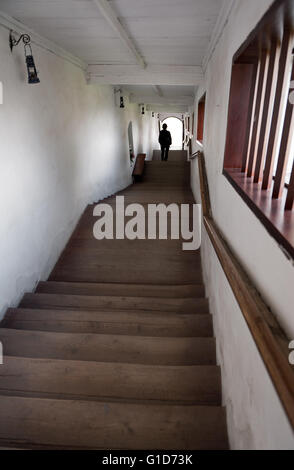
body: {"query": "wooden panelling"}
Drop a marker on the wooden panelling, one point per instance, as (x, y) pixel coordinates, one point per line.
(290, 196)
(249, 124)
(285, 147)
(267, 110)
(200, 122)
(272, 21)
(258, 112)
(257, 145)
(239, 105)
(277, 117)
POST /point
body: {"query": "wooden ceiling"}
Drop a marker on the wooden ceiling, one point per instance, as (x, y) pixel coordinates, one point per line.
(129, 42)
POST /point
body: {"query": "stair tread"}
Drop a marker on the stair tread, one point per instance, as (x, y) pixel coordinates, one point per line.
(67, 424)
(64, 301)
(65, 379)
(95, 363)
(108, 348)
(95, 270)
(117, 322)
(114, 289)
(169, 250)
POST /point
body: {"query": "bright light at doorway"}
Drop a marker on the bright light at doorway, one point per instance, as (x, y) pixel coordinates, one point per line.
(175, 127)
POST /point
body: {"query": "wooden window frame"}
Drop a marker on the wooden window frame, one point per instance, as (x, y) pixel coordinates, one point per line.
(200, 119)
(260, 129)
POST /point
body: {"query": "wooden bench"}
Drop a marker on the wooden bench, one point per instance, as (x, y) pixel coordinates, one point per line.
(139, 167)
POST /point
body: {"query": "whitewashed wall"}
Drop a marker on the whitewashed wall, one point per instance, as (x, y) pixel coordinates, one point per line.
(149, 133)
(256, 419)
(63, 144)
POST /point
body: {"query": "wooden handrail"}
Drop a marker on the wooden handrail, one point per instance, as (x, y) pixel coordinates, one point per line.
(269, 337)
(194, 155)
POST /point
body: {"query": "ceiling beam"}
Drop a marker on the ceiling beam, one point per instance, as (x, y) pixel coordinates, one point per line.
(177, 100)
(110, 15)
(157, 108)
(189, 75)
(157, 90)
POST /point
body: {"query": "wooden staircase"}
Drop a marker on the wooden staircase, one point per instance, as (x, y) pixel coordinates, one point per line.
(116, 350)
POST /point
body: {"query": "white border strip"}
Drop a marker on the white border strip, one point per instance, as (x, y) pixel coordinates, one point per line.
(218, 30)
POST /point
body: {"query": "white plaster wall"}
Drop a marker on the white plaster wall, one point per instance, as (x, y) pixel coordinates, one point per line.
(63, 144)
(149, 133)
(256, 419)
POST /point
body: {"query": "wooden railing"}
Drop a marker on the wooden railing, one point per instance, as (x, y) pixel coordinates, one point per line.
(269, 338)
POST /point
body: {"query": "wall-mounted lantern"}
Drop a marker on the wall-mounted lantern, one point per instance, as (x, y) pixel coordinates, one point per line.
(30, 63)
(121, 98)
(121, 101)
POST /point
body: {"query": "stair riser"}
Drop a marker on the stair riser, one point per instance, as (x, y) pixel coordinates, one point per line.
(79, 302)
(109, 348)
(116, 350)
(198, 385)
(120, 323)
(129, 290)
(60, 424)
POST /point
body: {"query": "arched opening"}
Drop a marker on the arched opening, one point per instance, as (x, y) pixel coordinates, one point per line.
(131, 142)
(175, 126)
(201, 115)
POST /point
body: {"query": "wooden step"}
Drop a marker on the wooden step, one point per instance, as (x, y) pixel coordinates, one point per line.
(98, 381)
(140, 323)
(152, 190)
(146, 251)
(121, 289)
(38, 423)
(163, 250)
(175, 181)
(171, 174)
(176, 177)
(108, 348)
(155, 196)
(178, 163)
(168, 249)
(116, 350)
(161, 167)
(173, 178)
(107, 264)
(87, 302)
(78, 271)
(159, 190)
(165, 188)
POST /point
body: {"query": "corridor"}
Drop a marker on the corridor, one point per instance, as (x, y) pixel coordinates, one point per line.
(137, 343)
(115, 355)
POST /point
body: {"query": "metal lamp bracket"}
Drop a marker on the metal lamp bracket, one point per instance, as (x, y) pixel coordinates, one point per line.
(26, 39)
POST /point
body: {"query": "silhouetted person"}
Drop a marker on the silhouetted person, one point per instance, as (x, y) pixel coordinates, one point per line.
(165, 141)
